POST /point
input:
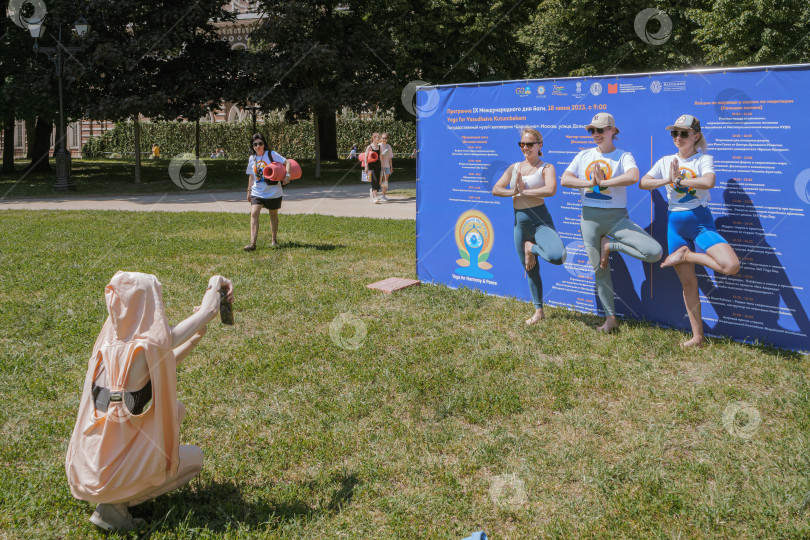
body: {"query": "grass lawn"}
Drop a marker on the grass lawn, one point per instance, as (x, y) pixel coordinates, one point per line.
(333, 411)
(117, 176)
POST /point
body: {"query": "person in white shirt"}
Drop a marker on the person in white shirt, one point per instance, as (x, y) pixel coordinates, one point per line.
(602, 175)
(387, 163)
(688, 176)
(529, 182)
(261, 192)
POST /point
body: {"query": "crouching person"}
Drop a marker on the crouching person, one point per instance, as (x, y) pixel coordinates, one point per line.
(122, 453)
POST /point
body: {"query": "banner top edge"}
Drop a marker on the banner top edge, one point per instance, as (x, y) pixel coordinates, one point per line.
(771, 67)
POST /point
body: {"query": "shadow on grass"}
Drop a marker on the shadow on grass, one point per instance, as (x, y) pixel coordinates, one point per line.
(222, 506)
(319, 247)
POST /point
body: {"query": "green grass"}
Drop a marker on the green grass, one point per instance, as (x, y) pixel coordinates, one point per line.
(449, 417)
(116, 176)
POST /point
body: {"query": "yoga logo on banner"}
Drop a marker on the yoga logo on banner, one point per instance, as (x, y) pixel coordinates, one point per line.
(474, 239)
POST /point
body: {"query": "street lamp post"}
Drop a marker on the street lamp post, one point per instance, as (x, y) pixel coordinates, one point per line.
(253, 109)
(37, 29)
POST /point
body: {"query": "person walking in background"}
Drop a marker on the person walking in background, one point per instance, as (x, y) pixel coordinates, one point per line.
(353, 152)
(374, 168)
(387, 159)
(688, 176)
(529, 182)
(602, 175)
(261, 192)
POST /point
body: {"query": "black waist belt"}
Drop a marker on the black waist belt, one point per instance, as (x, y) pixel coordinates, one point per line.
(135, 402)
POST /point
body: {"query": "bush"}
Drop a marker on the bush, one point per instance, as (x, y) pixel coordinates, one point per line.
(291, 140)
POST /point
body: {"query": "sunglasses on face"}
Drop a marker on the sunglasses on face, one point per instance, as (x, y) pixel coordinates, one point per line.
(597, 130)
(676, 133)
(527, 144)
(258, 144)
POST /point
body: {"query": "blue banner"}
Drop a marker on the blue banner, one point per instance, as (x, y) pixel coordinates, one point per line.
(753, 121)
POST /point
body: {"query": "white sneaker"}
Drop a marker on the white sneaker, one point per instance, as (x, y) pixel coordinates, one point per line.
(384, 198)
(377, 201)
(371, 194)
(115, 517)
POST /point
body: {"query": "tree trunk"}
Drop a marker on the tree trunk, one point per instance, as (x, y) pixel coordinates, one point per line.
(316, 123)
(197, 138)
(327, 130)
(42, 147)
(8, 146)
(137, 140)
(30, 129)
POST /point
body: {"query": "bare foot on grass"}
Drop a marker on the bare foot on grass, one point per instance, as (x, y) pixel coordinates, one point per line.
(529, 259)
(696, 342)
(604, 252)
(676, 257)
(609, 327)
(536, 318)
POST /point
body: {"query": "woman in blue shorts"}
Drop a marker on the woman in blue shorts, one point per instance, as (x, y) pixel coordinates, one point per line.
(688, 177)
(529, 182)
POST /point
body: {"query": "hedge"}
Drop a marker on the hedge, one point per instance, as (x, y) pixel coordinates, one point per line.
(291, 140)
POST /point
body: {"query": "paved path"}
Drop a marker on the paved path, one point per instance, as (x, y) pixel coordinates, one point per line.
(343, 201)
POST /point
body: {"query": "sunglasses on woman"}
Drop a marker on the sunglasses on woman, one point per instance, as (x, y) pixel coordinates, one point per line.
(527, 144)
(258, 143)
(597, 130)
(676, 133)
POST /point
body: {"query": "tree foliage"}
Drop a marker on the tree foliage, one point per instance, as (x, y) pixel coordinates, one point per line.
(751, 32)
(589, 37)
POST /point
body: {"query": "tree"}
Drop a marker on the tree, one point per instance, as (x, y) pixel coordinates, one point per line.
(161, 60)
(590, 37)
(749, 32)
(307, 58)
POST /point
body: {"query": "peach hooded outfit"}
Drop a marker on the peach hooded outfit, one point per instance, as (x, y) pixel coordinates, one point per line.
(115, 456)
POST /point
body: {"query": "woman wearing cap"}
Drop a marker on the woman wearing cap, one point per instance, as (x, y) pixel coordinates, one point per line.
(262, 192)
(602, 175)
(688, 177)
(374, 166)
(528, 182)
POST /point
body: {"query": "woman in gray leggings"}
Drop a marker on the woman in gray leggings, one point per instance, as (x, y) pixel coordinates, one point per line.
(602, 175)
(529, 182)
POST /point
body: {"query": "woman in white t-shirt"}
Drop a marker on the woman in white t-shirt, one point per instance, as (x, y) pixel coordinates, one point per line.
(688, 177)
(528, 182)
(262, 192)
(602, 175)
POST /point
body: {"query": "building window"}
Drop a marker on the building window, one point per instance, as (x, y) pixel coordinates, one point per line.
(18, 142)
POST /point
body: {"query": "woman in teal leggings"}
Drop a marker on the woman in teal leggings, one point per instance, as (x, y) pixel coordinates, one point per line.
(602, 175)
(528, 182)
